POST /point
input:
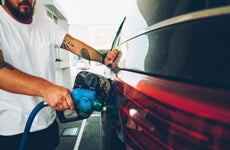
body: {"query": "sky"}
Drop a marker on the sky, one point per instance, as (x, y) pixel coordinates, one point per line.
(95, 11)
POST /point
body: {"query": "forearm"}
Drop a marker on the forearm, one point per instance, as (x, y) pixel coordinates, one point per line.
(81, 49)
(16, 81)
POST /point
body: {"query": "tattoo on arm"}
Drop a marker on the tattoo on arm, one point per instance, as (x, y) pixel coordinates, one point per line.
(85, 53)
(6, 65)
(67, 44)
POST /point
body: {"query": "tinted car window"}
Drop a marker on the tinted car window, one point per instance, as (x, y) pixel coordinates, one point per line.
(155, 11)
(145, 13)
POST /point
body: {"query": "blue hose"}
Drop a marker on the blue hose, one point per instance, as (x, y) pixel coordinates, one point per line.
(29, 123)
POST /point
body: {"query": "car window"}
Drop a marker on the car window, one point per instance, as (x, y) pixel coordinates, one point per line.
(145, 13)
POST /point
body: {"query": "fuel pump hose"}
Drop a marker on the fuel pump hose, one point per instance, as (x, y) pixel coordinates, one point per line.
(29, 123)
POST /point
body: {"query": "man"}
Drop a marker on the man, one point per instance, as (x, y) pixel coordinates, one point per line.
(26, 74)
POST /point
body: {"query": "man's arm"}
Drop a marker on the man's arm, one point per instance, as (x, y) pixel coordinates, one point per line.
(83, 50)
(16, 81)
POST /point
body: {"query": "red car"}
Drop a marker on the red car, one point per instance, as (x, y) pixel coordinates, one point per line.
(172, 82)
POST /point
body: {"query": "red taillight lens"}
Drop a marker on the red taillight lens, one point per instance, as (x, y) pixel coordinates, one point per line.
(156, 118)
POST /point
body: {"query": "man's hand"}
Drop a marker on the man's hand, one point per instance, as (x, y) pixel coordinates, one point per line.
(58, 98)
(110, 59)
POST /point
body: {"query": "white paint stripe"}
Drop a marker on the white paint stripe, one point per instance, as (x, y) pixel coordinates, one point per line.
(95, 115)
(80, 134)
(77, 144)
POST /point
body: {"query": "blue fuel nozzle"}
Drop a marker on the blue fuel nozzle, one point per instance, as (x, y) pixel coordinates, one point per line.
(85, 100)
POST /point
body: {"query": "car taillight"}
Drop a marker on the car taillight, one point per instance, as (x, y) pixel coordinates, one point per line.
(162, 115)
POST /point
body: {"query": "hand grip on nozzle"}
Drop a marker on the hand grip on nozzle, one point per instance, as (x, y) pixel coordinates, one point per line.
(85, 102)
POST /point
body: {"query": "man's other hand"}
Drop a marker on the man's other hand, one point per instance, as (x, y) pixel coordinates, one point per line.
(110, 59)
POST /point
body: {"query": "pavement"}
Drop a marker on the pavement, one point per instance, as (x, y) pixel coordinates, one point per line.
(81, 135)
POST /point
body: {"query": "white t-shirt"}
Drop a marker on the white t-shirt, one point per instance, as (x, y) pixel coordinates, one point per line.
(29, 48)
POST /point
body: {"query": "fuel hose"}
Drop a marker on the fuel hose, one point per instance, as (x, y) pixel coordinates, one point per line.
(29, 123)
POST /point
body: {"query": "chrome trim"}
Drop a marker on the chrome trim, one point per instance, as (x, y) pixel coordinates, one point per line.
(185, 18)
